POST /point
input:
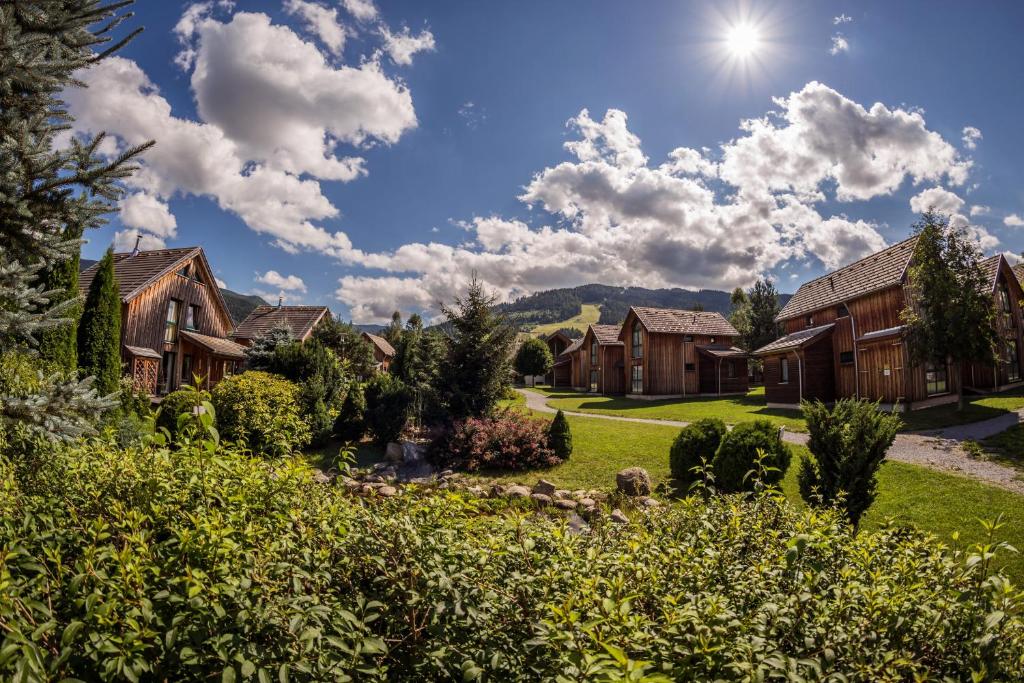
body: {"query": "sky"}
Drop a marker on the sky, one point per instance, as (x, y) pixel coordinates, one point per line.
(371, 155)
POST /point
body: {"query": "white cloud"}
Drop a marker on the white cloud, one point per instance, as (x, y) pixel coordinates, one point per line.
(124, 240)
(362, 10)
(936, 199)
(403, 45)
(971, 136)
(291, 283)
(980, 210)
(1013, 221)
(839, 44)
(221, 283)
(145, 212)
(841, 19)
(321, 21)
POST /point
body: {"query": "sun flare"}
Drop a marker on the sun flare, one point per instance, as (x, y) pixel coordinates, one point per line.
(742, 40)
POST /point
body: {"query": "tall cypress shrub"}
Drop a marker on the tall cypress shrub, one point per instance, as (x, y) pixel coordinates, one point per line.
(99, 334)
(58, 345)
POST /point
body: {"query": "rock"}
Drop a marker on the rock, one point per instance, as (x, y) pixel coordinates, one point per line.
(562, 493)
(633, 481)
(387, 491)
(476, 491)
(321, 477)
(375, 479)
(544, 487)
(579, 493)
(588, 502)
(541, 499)
(445, 474)
(393, 452)
(413, 452)
(517, 492)
(565, 503)
(619, 517)
(497, 490)
(577, 525)
(649, 502)
(599, 496)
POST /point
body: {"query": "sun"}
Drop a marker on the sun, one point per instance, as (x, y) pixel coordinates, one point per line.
(742, 40)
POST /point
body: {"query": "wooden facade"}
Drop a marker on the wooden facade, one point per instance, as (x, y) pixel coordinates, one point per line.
(1005, 369)
(600, 361)
(557, 343)
(383, 351)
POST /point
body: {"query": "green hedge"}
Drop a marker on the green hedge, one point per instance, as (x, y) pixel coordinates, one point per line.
(262, 411)
(695, 446)
(737, 456)
(203, 564)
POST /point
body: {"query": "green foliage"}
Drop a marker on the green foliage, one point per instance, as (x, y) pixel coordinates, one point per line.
(736, 461)
(260, 354)
(950, 315)
(759, 315)
(475, 370)
(570, 332)
(348, 344)
(99, 334)
(58, 345)
(389, 405)
(321, 377)
(176, 404)
(695, 447)
(262, 412)
(204, 564)
(849, 443)
(350, 425)
(560, 436)
(533, 357)
(417, 361)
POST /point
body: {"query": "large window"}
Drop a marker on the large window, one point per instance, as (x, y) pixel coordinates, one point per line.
(593, 380)
(783, 370)
(171, 328)
(638, 340)
(192, 317)
(167, 372)
(638, 379)
(935, 379)
(1012, 361)
(593, 352)
(186, 369)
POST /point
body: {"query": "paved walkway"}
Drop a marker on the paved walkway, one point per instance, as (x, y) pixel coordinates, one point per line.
(938, 449)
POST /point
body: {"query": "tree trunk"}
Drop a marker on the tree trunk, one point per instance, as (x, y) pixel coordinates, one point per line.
(959, 388)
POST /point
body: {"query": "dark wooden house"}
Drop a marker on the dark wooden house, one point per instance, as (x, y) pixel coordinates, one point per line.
(557, 343)
(174, 322)
(675, 353)
(300, 320)
(843, 337)
(383, 351)
(1004, 371)
(566, 370)
(602, 370)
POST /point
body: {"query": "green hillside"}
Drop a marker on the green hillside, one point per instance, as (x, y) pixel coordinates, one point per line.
(589, 315)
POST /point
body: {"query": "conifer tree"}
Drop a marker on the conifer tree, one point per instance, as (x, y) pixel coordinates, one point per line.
(99, 334)
(49, 195)
(348, 345)
(762, 308)
(58, 345)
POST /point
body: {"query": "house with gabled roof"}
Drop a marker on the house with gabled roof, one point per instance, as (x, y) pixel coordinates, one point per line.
(1004, 371)
(602, 369)
(383, 351)
(676, 353)
(300, 320)
(557, 343)
(567, 370)
(174, 321)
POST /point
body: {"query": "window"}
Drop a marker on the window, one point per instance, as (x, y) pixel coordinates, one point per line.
(593, 352)
(638, 341)
(935, 379)
(690, 367)
(638, 379)
(783, 370)
(1013, 361)
(688, 338)
(846, 357)
(192, 317)
(186, 369)
(842, 311)
(1004, 298)
(167, 372)
(809, 320)
(730, 369)
(190, 271)
(171, 328)
(593, 380)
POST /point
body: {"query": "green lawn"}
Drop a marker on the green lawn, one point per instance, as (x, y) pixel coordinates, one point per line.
(1007, 447)
(977, 408)
(589, 315)
(731, 409)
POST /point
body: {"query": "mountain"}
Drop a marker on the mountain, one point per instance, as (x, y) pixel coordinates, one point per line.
(239, 305)
(556, 305)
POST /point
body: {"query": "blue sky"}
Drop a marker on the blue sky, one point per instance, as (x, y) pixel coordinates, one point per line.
(371, 156)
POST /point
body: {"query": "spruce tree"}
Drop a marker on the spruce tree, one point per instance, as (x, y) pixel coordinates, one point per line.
(58, 345)
(560, 436)
(348, 345)
(762, 308)
(99, 334)
(49, 195)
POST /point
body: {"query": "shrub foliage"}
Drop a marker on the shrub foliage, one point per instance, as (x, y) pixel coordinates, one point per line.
(694, 447)
(560, 436)
(350, 425)
(261, 411)
(389, 404)
(505, 441)
(737, 456)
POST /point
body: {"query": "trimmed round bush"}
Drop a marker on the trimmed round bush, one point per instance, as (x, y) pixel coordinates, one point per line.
(174, 404)
(696, 443)
(350, 425)
(560, 436)
(737, 455)
(261, 411)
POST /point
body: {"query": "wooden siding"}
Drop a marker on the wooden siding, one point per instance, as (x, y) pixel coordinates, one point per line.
(775, 391)
(1009, 327)
(613, 374)
(562, 375)
(816, 370)
(714, 375)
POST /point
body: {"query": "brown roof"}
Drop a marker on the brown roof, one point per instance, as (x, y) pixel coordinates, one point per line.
(672, 321)
(794, 341)
(872, 273)
(723, 351)
(381, 343)
(990, 267)
(135, 273)
(142, 352)
(1018, 270)
(299, 319)
(607, 335)
(555, 335)
(575, 346)
(215, 345)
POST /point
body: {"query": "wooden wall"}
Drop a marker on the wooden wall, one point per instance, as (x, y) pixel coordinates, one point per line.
(613, 376)
(987, 376)
(774, 390)
(714, 375)
(817, 370)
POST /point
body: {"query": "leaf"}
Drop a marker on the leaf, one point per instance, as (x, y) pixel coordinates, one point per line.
(228, 675)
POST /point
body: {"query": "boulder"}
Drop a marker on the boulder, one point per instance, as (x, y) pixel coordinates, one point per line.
(393, 452)
(544, 487)
(321, 477)
(633, 481)
(649, 502)
(619, 517)
(387, 491)
(588, 502)
(517, 492)
(562, 493)
(565, 503)
(413, 452)
(541, 499)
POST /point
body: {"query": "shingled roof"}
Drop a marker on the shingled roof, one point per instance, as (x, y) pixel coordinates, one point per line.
(135, 272)
(299, 319)
(607, 335)
(575, 346)
(1018, 270)
(215, 345)
(794, 341)
(673, 321)
(990, 267)
(872, 273)
(381, 343)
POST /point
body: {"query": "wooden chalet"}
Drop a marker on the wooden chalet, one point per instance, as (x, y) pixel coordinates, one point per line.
(174, 322)
(1005, 369)
(301, 320)
(383, 351)
(557, 343)
(673, 353)
(566, 370)
(600, 359)
(843, 337)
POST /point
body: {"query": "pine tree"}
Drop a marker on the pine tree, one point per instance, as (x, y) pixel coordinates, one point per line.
(260, 354)
(416, 363)
(99, 334)
(348, 344)
(475, 372)
(739, 313)
(48, 195)
(393, 333)
(763, 307)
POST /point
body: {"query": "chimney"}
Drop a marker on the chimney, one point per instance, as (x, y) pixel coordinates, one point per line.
(138, 241)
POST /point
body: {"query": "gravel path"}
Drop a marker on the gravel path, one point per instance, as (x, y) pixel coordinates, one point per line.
(939, 449)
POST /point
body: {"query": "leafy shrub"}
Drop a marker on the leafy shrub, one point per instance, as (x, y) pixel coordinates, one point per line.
(560, 436)
(261, 411)
(505, 441)
(173, 406)
(533, 357)
(388, 407)
(321, 378)
(205, 564)
(350, 425)
(738, 455)
(696, 444)
(849, 443)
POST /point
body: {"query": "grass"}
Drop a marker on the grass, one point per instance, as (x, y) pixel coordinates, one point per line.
(731, 409)
(1007, 447)
(976, 409)
(589, 315)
